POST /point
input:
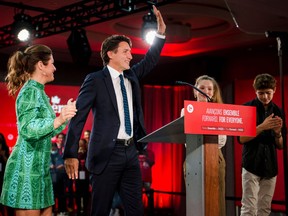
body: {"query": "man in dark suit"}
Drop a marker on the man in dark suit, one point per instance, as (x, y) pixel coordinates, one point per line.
(112, 153)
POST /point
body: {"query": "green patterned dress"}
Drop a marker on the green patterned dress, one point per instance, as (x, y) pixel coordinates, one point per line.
(27, 180)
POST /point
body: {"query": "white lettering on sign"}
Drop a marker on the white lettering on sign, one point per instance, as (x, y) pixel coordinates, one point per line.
(56, 106)
(223, 116)
(214, 111)
(231, 112)
(207, 118)
(234, 120)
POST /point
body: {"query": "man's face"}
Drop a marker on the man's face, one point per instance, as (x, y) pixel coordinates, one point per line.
(265, 95)
(120, 58)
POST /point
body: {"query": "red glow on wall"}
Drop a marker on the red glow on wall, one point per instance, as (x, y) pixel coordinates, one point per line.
(172, 50)
(191, 47)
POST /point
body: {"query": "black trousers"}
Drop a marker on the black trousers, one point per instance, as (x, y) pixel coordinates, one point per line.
(122, 174)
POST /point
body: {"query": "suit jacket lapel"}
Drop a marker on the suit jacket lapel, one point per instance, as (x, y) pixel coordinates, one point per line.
(110, 87)
(127, 74)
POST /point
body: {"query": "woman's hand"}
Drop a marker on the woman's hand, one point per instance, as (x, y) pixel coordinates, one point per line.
(67, 112)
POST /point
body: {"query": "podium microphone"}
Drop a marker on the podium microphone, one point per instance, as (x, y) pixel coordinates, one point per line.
(275, 34)
(197, 89)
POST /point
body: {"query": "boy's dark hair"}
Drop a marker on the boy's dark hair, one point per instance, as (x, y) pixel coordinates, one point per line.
(264, 81)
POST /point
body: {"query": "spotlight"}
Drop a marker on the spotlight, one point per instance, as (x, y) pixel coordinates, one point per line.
(22, 27)
(149, 27)
(79, 47)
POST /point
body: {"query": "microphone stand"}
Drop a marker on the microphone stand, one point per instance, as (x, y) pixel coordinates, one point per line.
(197, 89)
(282, 37)
(280, 41)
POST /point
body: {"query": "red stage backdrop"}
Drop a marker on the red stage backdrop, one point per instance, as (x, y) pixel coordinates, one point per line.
(161, 105)
(244, 92)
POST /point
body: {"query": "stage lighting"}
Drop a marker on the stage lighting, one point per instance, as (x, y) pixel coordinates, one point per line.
(149, 27)
(22, 27)
(79, 47)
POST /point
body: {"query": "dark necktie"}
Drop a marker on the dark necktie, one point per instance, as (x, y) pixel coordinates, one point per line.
(126, 108)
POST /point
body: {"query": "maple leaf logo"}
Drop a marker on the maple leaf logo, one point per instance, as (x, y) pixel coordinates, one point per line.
(55, 99)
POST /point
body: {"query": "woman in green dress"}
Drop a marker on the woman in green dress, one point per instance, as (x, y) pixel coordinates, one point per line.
(27, 183)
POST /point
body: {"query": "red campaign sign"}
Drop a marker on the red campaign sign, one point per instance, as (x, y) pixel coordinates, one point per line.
(215, 118)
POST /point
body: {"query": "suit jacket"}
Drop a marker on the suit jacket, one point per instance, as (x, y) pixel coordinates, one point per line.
(97, 93)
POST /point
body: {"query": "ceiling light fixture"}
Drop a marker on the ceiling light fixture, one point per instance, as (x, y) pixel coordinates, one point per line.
(79, 47)
(22, 27)
(149, 27)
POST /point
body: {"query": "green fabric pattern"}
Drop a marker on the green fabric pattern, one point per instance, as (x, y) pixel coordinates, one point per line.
(27, 180)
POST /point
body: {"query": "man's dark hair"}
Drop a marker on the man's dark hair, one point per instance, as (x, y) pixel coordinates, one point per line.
(111, 44)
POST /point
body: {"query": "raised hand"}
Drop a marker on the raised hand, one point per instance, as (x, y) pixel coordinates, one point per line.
(160, 22)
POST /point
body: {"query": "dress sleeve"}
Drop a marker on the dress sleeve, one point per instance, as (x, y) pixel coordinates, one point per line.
(35, 119)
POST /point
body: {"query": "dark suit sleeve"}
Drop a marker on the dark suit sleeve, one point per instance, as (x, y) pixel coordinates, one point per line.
(76, 125)
(150, 60)
(140, 70)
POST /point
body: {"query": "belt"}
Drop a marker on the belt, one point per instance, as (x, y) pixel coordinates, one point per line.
(125, 142)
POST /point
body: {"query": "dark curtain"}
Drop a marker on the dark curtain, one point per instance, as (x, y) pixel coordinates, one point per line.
(161, 105)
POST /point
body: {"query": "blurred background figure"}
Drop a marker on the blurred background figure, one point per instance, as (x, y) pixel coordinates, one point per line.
(60, 138)
(82, 183)
(147, 160)
(4, 154)
(117, 206)
(86, 136)
(68, 184)
(58, 178)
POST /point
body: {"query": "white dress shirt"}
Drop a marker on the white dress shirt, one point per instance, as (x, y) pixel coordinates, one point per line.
(116, 83)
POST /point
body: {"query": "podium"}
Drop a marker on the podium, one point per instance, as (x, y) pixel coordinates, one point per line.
(202, 182)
